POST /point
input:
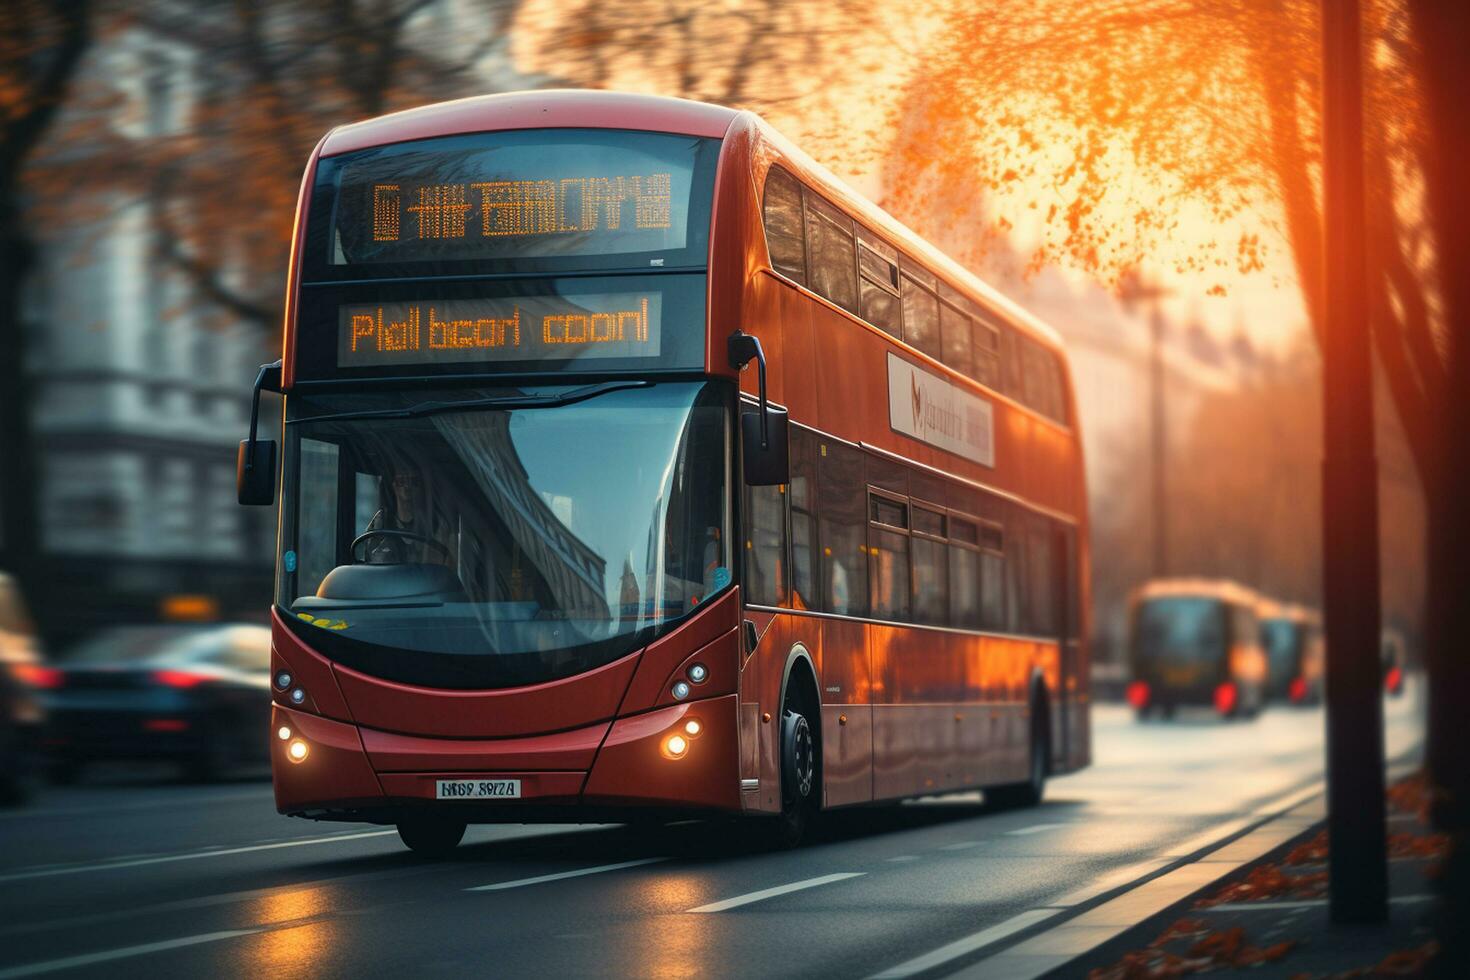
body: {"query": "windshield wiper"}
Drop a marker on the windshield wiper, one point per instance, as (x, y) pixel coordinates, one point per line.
(500, 401)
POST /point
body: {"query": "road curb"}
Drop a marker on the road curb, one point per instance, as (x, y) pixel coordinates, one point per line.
(1287, 820)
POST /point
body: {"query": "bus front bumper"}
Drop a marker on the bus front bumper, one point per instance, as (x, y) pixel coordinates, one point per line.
(674, 759)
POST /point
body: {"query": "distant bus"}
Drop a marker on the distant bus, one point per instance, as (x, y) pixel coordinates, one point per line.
(1291, 637)
(547, 552)
(1196, 643)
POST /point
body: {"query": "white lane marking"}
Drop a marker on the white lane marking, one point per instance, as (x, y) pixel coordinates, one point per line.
(961, 846)
(89, 959)
(765, 893)
(190, 856)
(561, 875)
(969, 944)
(1038, 828)
(1304, 904)
(903, 857)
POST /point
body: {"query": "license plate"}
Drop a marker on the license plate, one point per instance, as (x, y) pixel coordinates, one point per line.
(477, 789)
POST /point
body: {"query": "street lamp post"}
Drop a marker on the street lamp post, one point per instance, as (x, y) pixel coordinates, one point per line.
(1357, 863)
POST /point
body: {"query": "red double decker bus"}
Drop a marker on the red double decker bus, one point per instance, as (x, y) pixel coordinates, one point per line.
(633, 465)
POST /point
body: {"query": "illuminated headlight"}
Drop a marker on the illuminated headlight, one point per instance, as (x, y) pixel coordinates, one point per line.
(681, 690)
(283, 733)
(675, 746)
(297, 750)
(692, 727)
(698, 673)
(283, 680)
(297, 695)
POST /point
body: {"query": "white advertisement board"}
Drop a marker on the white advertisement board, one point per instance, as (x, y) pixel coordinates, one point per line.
(931, 409)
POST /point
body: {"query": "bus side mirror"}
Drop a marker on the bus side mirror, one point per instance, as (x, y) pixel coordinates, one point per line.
(766, 465)
(255, 472)
(255, 464)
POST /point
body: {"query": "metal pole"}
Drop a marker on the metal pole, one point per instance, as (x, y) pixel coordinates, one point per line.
(1160, 441)
(1357, 862)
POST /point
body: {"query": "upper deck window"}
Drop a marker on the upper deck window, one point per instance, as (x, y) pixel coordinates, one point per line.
(524, 200)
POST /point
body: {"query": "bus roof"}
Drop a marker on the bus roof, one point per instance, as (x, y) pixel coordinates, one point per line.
(901, 235)
(1205, 588)
(594, 109)
(541, 109)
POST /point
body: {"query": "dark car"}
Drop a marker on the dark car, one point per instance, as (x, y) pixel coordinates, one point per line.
(195, 695)
(22, 673)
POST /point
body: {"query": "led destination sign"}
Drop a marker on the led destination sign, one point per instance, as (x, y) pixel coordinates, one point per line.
(526, 328)
(501, 208)
(513, 195)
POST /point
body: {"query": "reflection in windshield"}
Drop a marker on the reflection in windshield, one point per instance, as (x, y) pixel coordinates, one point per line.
(504, 545)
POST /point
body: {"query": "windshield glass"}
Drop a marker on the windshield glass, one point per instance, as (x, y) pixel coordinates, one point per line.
(491, 537)
(1181, 629)
(1282, 640)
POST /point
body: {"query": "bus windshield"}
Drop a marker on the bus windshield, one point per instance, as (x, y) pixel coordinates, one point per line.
(1181, 629)
(1282, 639)
(492, 537)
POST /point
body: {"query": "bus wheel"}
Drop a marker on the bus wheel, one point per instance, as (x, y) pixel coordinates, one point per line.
(430, 837)
(798, 777)
(1029, 793)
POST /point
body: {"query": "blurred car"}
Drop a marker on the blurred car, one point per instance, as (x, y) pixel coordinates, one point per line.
(1291, 635)
(1196, 642)
(191, 694)
(21, 715)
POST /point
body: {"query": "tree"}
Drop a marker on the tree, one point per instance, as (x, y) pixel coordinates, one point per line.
(41, 47)
(1186, 133)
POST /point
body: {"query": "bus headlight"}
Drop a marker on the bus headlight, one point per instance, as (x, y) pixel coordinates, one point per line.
(681, 690)
(297, 750)
(692, 727)
(283, 733)
(297, 695)
(698, 673)
(675, 746)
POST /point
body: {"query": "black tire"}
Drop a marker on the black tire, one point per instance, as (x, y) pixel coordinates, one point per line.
(800, 776)
(1030, 792)
(430, 837)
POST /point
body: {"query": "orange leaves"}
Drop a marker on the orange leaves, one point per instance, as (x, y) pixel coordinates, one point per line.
(1268, 881)
(1313, 851)
(1207, 951)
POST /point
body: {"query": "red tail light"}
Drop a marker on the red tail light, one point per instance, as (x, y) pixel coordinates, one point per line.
(35, 675)
(1138, 694)
(166, 725)
(1225, 697)
(1394, 680)
(178, 678)
(1297, 691)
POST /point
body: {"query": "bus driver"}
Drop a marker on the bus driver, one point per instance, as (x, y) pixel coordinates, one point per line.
(406, 508)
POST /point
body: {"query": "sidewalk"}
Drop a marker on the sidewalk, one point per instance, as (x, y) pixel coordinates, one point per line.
(1269, 919)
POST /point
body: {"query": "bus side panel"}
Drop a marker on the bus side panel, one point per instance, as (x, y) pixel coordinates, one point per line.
(847, 715)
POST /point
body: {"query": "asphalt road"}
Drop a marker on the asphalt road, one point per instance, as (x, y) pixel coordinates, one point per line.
(129, 873)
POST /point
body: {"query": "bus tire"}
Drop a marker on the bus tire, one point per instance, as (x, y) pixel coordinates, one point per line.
(431, 837)
(1030, 792)
(799, 772)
